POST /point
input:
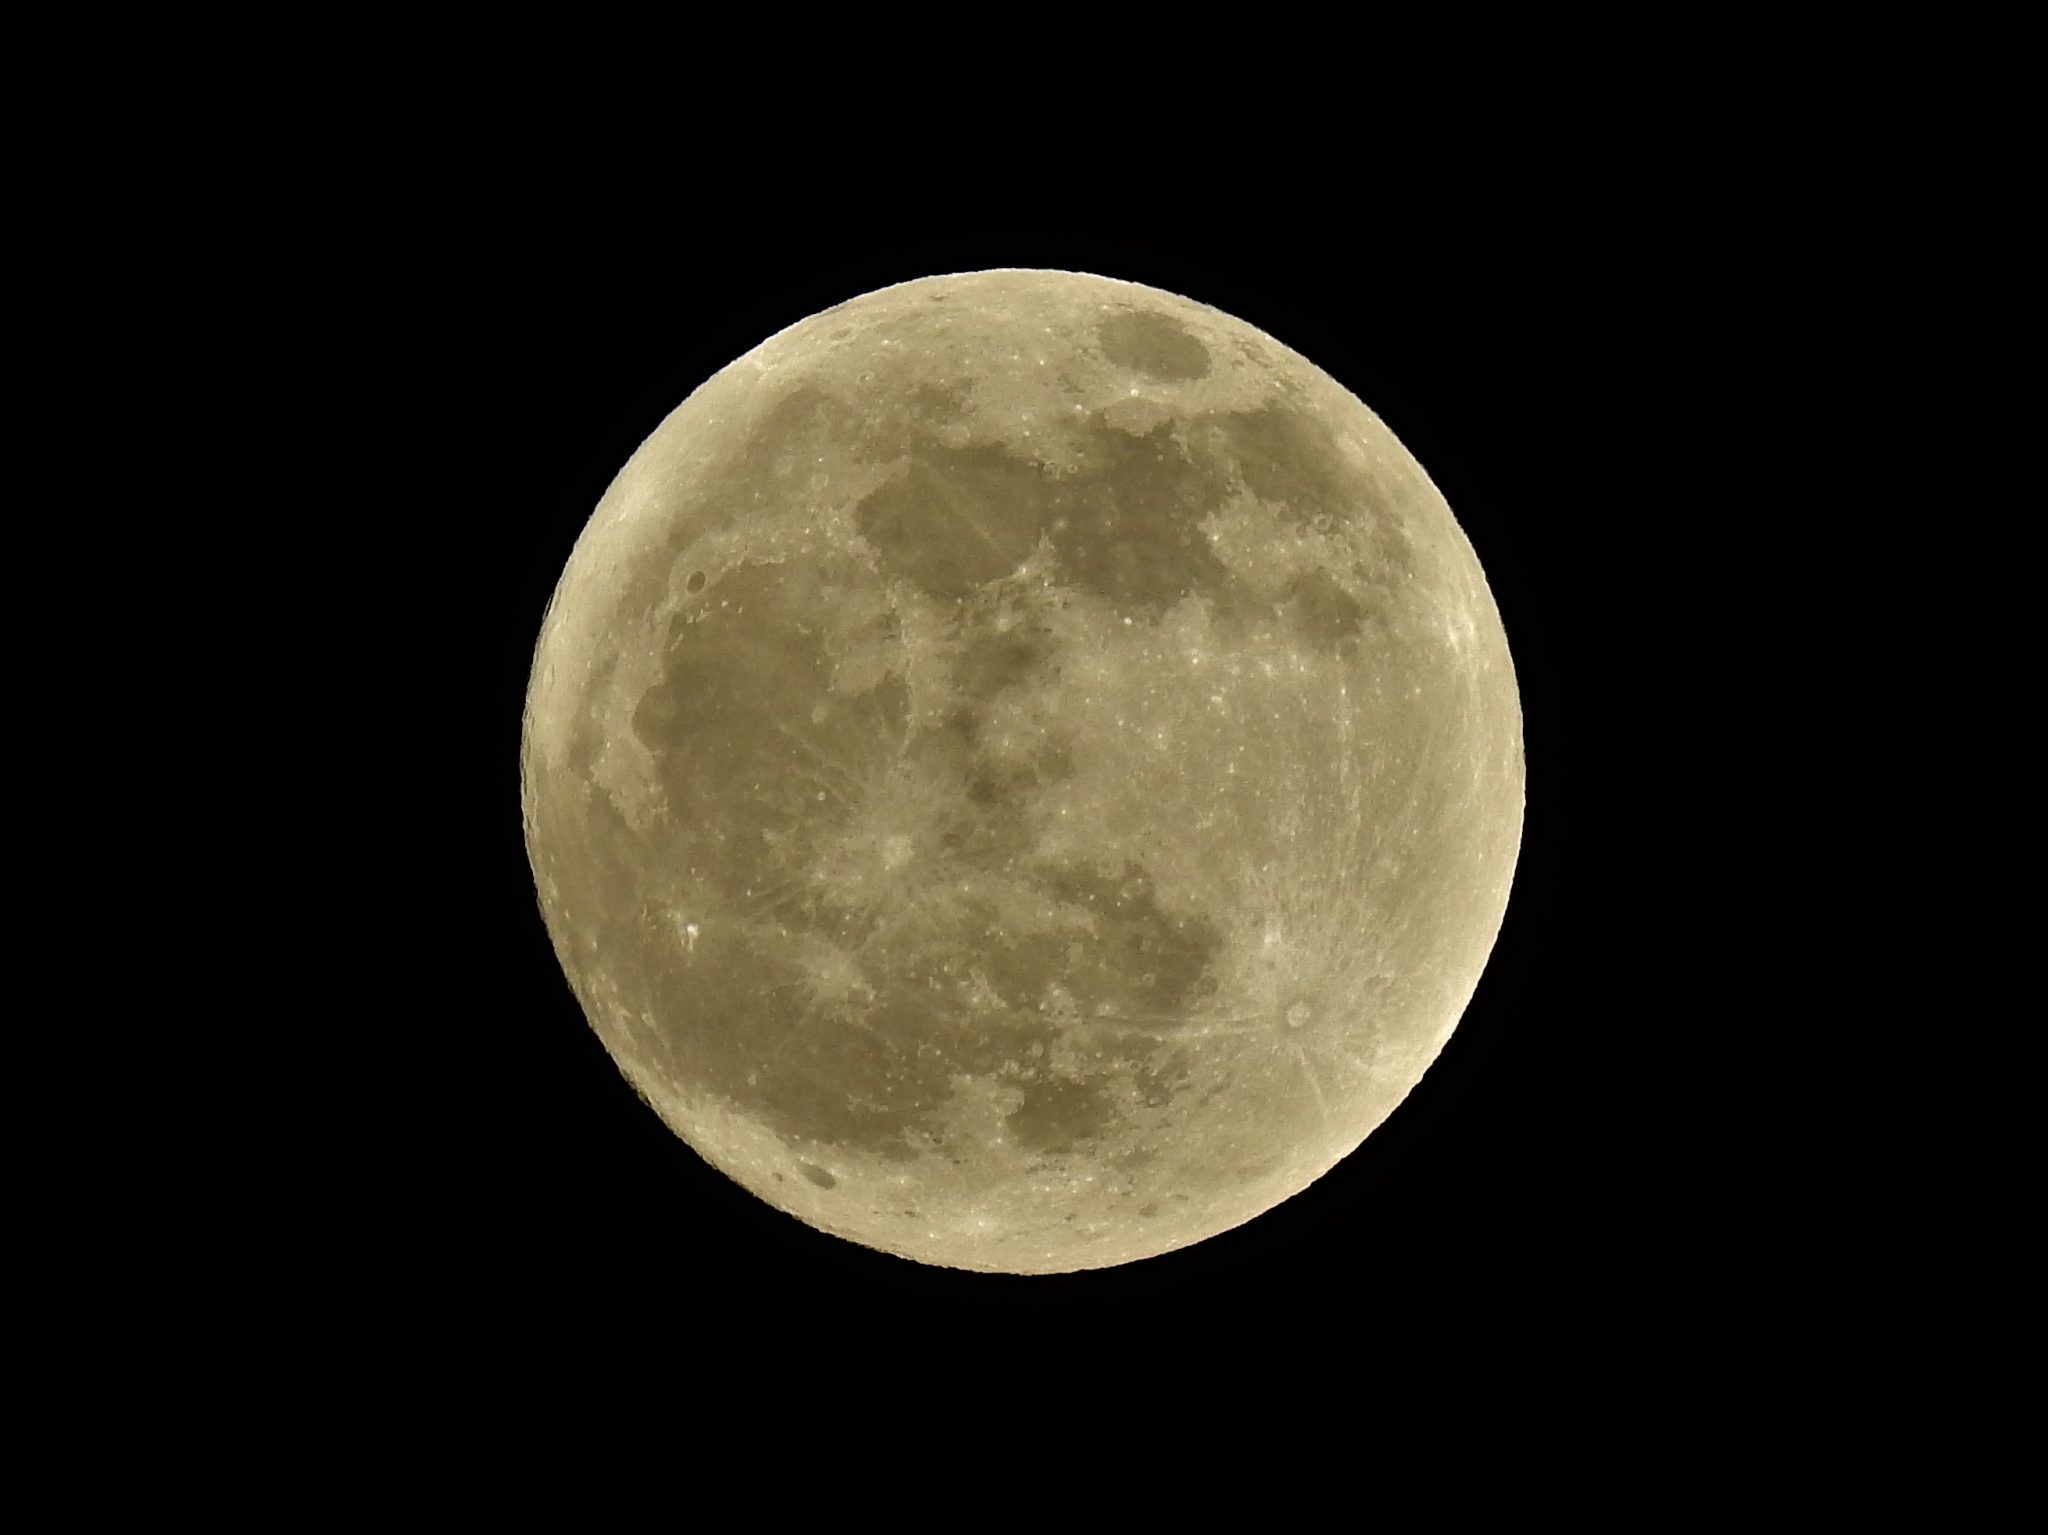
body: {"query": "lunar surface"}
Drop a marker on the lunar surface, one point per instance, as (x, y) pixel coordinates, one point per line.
(1022, 771)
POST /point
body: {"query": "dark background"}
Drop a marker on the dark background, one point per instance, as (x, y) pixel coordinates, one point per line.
(1597, 348)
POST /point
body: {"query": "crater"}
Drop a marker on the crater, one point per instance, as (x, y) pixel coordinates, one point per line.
(1152, 344)
(817, 1175)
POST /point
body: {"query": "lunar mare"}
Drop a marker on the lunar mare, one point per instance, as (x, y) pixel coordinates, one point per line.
(1023, 771)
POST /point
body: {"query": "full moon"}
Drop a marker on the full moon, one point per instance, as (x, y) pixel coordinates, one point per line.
(1022, 771)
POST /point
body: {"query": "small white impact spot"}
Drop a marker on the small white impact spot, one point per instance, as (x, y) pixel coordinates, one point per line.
(1297, 1015)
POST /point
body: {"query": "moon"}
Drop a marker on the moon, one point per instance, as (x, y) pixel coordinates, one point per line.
(1022, 771)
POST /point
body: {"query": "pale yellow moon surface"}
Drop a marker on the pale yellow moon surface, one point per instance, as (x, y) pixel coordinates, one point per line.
(1022, 771)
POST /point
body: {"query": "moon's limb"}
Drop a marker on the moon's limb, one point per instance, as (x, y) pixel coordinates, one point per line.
(1023, 771)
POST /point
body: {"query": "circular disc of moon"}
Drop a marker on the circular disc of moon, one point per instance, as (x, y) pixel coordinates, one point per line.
(1023, 771)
